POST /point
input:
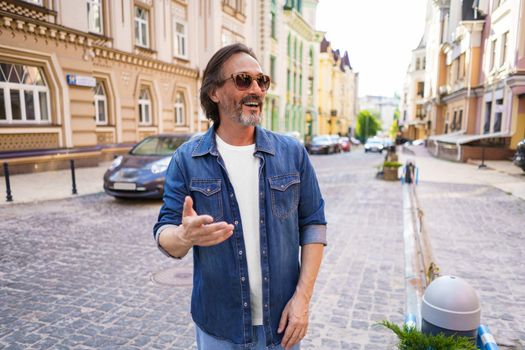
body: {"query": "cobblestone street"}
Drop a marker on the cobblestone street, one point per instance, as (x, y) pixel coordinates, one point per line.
(83, 272)
(485, 246)
(77, 273)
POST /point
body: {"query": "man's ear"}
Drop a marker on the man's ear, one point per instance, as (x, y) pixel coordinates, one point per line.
(213, 95)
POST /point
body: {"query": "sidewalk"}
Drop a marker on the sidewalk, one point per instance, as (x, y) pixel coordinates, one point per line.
(26, 188)
(500, 174)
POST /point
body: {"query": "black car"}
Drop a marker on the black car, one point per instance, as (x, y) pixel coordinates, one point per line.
(141, 172)
(519, 157)
(322, 144)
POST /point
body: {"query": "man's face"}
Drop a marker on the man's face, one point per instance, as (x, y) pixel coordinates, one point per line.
(243, 106)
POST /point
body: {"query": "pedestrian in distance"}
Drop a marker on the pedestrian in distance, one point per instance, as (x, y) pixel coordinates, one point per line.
(247, 202)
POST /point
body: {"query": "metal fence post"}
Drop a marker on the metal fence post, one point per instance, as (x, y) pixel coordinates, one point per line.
(9, 197)
(74, 189)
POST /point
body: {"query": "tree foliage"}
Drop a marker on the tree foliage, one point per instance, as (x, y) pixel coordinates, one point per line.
(367, 125)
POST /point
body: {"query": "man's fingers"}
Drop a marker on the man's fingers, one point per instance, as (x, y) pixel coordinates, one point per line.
(283, 321)
(196, 221)
(286, 342)
(216, 237)
(187, 208)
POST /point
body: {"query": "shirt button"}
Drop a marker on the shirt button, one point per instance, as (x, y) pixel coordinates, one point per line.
(282, 186)
(240, 252)
(208, 190)
(262, 221)
(264, 252)
(266, 305)
(231, 194)
(265, 278)
(245, 304)
(260, 193)
(236, 222)
(243, 279)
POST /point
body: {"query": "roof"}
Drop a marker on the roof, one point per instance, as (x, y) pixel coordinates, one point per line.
(324, 45)
(345, 61)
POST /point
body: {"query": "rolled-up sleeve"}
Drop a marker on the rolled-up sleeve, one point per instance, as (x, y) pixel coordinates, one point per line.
(312, 222)
(175, 190)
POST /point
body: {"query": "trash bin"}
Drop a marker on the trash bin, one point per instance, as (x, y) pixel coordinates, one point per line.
(450, 306)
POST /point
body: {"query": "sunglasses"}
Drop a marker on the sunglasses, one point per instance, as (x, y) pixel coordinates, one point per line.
(243, 81)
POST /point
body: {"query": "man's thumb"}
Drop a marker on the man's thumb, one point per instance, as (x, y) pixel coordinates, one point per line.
(187, 209)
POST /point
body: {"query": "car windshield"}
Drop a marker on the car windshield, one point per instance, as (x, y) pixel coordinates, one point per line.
(319, 139)
(374, 141)
(158, 146)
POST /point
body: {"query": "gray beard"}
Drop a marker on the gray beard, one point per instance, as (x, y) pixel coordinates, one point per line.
(247, 120)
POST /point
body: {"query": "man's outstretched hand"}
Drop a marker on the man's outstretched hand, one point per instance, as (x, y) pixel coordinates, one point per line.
(200, 230)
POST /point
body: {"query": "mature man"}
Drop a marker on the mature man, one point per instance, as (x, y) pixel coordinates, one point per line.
(246, 200)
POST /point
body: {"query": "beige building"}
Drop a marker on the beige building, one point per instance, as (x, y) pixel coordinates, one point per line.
(478, 109)
(337, 92)
(95, 75)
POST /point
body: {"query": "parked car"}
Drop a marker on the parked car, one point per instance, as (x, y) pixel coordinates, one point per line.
(355, 141)
(374, 145)
(519, 156)
(322, 144)
(141, 172)
(344, 144)
(335, 142)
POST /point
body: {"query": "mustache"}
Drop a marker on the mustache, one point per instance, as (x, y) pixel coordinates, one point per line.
(252, 98)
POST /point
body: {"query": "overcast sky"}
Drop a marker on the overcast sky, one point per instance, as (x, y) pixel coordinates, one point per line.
(379, 36)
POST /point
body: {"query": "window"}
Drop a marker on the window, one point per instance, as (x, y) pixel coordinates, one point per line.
(24, 95)
(180, 38)
(504, 48)
(141, 27)
(459, 124)
(35, 2)
(144, 107)
(453, 127)
(180, 117)
(488, 112)
(424, 64)
(417, 64)
(461, 66)
(498, 115)
(101, 109)
(493, 55)
(420, 89)
(94, 9)
(272, 68)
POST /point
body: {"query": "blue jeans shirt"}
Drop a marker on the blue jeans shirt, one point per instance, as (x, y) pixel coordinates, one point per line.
(291, 214)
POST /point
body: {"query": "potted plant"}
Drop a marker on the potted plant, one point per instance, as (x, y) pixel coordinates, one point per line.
(412, 339)
(390, 170)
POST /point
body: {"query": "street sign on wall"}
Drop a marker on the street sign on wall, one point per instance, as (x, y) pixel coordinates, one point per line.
(81, 80)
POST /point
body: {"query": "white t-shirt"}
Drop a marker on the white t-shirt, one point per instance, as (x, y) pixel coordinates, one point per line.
(243, 172)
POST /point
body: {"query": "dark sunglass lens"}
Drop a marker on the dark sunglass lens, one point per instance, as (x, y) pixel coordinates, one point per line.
(243, 81)
(263, 81)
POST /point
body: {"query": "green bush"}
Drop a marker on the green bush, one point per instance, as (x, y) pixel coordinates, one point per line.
(392, 165)
(412, 339)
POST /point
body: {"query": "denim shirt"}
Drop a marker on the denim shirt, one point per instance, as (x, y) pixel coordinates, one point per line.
(291, 214)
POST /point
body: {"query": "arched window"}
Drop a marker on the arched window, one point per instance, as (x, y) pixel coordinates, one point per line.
(101, 106)
(24, 95)
(180, 109)
(144, 106)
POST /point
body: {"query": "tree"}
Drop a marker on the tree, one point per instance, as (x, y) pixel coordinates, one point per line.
(394, 128)
(367, 125)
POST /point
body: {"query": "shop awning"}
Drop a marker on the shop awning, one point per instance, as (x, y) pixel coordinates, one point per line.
(460, 139)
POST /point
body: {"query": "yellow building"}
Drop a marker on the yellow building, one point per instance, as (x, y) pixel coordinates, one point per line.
(337, 92)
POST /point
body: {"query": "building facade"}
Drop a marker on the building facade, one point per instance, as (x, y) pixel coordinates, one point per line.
(383, 107)
(474, 90)
(95, 74)
(337, 92)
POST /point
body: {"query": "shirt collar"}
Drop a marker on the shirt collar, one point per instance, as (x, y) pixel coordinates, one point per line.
(207, 143)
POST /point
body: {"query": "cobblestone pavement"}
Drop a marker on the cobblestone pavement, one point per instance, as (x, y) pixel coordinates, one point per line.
(77, 273)
(483, 244)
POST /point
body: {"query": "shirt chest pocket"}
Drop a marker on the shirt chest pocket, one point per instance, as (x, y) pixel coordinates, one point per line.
(207, 199)
(284, 191)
